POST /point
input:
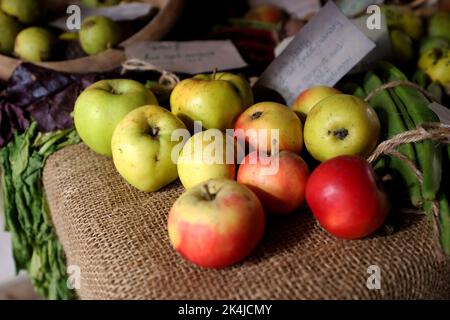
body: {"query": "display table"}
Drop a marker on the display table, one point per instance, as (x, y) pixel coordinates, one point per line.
(117, 236)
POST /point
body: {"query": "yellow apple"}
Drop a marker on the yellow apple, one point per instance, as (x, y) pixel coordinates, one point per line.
(341, 125)
(309, 98)
(142, 147)
(215, 100)
(206, 155)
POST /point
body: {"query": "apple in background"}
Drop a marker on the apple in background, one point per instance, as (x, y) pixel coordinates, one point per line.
(266, 13)
(10, 28)
(204, 157)
(282, 192)
(267, 116)
(142, 147)
(34, 44)
(309, 98)
(216, 224)
(215, 100)
(341, 125)
(25, 11)
(102, 105)
(344, 196)
(98, 34)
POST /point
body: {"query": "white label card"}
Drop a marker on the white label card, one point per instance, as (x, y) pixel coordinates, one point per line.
(188, 56)
(297, 8)
(324, 51)
(121, 12)
(442, 112)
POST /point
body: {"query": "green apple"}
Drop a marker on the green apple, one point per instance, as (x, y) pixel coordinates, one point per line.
(341, 125)
(34, 44)
(215, 100)
(206, 155)
(142, 147)
(10, 28)
(101, 106)
(99, 33)
(100, 3)
(440, 25)
(26, 11)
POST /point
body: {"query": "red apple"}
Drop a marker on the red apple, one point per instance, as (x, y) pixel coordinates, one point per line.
(266, 13)
(344, 196)
(281, 191)
(274, 124)
(216, 223)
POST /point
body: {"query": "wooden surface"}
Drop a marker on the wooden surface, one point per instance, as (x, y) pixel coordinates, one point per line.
(169, 11)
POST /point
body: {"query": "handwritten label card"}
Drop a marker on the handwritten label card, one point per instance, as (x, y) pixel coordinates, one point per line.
(297, 8)
(121, 12)
(188, 56)
(326, 49)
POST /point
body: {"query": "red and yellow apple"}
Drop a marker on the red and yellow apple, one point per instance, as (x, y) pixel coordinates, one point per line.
(266, 125)
(281, 192)
(341, 125)
(216, 224)
(265, 13)
(309, 98)
(344, 196)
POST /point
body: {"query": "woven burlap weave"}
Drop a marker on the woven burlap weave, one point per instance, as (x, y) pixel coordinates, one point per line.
(117, 236)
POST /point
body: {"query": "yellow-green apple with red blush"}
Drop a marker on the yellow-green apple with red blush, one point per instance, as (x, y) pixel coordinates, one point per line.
(341, 125)
(275, 125)
(266, 13)
(344, 195)
(207, 155)
(216, 224)
(142, 147)
(281, 192)
(309, 98)
(215, 100)
(102, 105)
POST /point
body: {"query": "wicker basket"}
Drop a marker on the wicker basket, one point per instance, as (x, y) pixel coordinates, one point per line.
(168, 12)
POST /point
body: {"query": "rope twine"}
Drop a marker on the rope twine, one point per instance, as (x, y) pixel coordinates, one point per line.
(168, 80)
(437, 132)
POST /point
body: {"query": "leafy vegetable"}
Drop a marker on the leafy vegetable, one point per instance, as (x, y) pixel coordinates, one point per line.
(35, 245)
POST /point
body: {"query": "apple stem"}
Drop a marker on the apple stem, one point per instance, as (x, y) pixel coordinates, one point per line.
(214, 74)
(208, 195)
(154, 132)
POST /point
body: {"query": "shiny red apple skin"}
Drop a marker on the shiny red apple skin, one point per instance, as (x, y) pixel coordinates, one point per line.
(344, 196)
(282, 192)
(220, 231)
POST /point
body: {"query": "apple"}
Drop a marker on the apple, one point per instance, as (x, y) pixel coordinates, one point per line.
(102, 105)
(206, 155)
(216, 224)
(274, 123)
(344, 196)
(142, 147)
(99, 33)
(100, 3)
(281, 192)
(440, 25)
(215, 100)
(26, 11)
(309, 98)
(10, 28)
(341, 125)
(265, 13)
(34, 44)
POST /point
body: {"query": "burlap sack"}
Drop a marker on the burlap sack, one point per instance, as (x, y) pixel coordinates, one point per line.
(117, 236)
